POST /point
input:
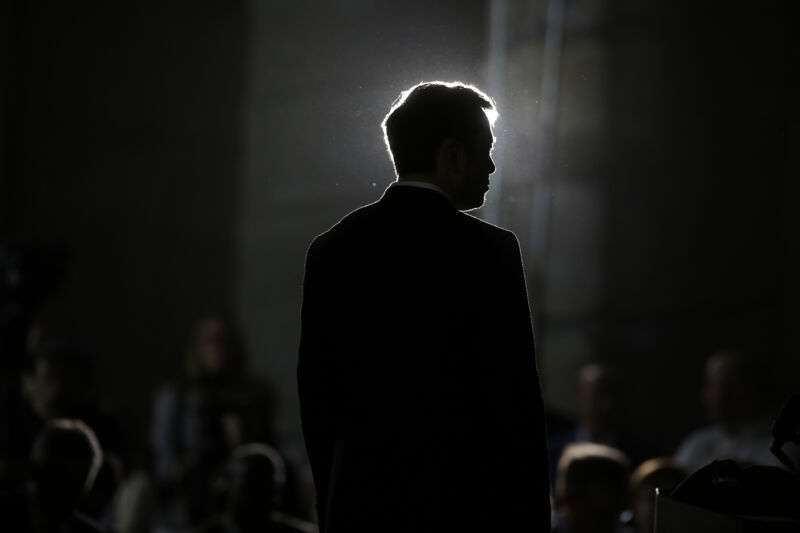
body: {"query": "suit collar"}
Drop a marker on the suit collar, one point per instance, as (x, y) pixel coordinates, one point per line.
(420, 181)
(417, 197)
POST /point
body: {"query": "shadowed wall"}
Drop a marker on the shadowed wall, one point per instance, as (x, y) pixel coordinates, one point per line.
(122, 141)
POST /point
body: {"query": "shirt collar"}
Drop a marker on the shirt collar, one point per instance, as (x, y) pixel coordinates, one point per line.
(418, 181)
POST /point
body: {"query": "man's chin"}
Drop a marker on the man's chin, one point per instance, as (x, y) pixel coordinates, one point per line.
(472, 204)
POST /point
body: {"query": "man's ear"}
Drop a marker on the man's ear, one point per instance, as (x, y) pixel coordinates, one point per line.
(452, 156)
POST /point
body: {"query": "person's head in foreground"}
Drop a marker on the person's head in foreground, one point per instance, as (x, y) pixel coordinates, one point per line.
(66, 459)
(591, 488)
(255, 480)
(441, 133)
(659, 473)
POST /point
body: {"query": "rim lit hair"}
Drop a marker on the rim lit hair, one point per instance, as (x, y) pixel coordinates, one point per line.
(77, 428)
(428, 113)
(580, 461)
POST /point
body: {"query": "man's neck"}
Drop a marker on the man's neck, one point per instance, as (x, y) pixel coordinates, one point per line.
(422, 181)
(417, 176)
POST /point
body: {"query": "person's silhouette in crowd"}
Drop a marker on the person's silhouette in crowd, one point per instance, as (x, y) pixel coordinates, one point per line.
(591, 489)
(29, 276)
(599, 417)
(658, 473)
(733, 401)
(251, 488)
(419, 393)
(199, 419)
(66, 460)
(61, 385)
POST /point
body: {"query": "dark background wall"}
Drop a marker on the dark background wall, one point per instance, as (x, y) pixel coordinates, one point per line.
(667, 228)
(123, 142)
(188, 152)
(697, 157)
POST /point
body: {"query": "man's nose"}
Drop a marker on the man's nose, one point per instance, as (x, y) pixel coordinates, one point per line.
(492, 168)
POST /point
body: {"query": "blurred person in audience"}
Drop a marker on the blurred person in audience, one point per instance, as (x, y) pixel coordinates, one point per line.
(66, 460)
(599, 416)
(251, 488)
(200, 418)
(659, 473)
(62, 384)
(298, 495)
(591, 489)
(733, 398)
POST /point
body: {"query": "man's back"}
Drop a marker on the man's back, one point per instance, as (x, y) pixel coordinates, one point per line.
(418, 387)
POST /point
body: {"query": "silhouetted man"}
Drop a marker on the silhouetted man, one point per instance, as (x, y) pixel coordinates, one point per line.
(419, 392)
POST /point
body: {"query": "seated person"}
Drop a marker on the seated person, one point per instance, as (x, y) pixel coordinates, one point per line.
(740, 429)
(250, 490)
(599, 417)
(659, 473)
(65, 459)
(200, 417)
(61, 383)
(591, 489)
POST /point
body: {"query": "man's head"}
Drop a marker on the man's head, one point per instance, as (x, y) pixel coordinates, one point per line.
(444, 132)
(591, 487)
(254, 481)
(66, 459)
(731, 389)
(597, 398)
(215, 348)
(658, 473)
(60, 381)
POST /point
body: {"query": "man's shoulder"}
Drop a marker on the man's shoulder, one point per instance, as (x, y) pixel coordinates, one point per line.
(698, 442)
(365, 220)
(477, 230)
(358, 220)
(474, 223)
(703, 434)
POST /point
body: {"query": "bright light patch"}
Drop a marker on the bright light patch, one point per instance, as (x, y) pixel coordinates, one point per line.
(491, 115)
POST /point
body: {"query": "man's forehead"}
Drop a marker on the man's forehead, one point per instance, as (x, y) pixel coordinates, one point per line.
(486, 133)
(491, 115)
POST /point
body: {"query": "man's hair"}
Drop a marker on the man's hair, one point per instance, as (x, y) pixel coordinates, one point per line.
(427, 114)
(658, 472)
(255, 473)
(585, 465)
(67, 456)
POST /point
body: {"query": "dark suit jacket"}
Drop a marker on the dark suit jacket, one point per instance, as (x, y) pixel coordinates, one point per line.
(419, 394)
